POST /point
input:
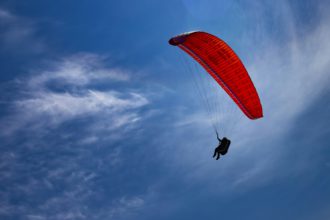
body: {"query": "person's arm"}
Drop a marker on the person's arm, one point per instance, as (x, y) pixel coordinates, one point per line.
(218, 137)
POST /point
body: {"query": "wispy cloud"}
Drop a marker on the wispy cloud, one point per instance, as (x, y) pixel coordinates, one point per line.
(40, 105)
(39, 108)
(78, 70)
(18, 35)
(125, 206)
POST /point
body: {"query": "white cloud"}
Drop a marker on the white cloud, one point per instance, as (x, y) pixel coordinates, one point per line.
(64, 106)
(78, 70)
(41, 106)
(124, 204)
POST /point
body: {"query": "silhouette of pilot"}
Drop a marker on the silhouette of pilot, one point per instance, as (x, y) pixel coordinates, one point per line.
(222, 148)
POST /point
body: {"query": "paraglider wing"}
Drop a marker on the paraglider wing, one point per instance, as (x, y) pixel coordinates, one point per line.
(221, 62)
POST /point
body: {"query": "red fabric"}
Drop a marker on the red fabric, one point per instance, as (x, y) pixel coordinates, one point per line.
(221, 62)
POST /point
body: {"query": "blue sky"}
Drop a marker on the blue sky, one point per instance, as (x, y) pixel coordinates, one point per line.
(99, 119)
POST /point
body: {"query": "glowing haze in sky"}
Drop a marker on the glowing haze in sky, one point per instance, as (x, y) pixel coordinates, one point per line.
(100, 121)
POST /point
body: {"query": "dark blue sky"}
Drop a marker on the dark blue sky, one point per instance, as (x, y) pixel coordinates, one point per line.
(99, 118)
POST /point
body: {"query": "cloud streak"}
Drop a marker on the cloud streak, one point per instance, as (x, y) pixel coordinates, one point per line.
(78, 70)
(18, 35)
(41, 106)
(96, 116)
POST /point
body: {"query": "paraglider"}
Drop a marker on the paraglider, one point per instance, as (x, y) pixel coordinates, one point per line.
(226, 68)
(222, 148)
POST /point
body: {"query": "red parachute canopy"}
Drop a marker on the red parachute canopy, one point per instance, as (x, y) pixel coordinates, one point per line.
(221, 62)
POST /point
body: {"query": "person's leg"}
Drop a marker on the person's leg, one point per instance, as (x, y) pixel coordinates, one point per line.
(215, 152)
